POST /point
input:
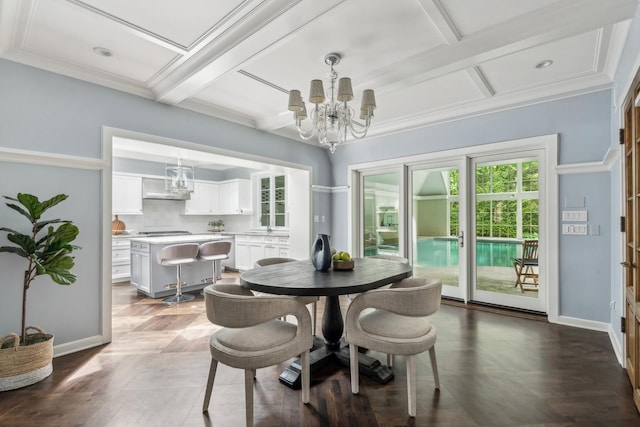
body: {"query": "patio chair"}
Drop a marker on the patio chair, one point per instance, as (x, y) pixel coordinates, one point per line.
(527, 267)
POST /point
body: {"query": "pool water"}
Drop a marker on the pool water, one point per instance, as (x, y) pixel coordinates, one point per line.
(443, 252)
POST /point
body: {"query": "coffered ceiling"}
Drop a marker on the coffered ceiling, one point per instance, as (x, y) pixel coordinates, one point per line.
(429, 61)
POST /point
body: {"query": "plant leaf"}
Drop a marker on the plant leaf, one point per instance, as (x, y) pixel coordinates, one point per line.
(40, 225)
(32, 204)
(53, 201)
(62, 276)
(8, 230)
(25, 242)
(12, 249)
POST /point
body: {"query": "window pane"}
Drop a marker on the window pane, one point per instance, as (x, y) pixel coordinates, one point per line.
(381, 199)
(483, 219)
(504, 218)
(483, 179)
(265, 184)
(454, 177)
(530, 219)
(454, 216)
(530, 176)
(504, 178)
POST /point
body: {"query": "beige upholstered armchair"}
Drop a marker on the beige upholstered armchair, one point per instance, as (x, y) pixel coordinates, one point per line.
(395, 326)
(252, 337)
(303, 299)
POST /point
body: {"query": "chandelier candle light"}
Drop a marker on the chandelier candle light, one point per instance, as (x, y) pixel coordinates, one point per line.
(333, 121)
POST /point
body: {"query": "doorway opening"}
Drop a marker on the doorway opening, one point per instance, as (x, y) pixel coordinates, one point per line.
(145, 156)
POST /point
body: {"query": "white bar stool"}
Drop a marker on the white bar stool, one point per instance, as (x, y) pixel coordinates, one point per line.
(183, 253)
(215, 251)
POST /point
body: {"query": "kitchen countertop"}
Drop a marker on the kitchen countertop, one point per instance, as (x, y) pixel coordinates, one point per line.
(198, 236)
(259, 233)
(184, 238)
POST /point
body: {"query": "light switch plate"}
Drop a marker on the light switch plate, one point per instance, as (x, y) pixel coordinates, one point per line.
(577, 229)
(574, 216)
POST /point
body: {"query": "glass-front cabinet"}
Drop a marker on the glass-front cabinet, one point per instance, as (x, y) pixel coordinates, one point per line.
(273, 201)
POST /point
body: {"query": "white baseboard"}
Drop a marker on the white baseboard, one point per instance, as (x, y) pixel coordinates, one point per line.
(73, 346)
(584, 324)
(617, 347)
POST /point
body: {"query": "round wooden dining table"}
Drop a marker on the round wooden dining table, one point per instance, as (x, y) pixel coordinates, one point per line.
(300, 278)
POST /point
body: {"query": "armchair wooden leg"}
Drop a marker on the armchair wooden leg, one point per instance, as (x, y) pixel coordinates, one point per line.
(212, 376)
(249, 374)
(411, 384)
(434, 367)
(353, 368)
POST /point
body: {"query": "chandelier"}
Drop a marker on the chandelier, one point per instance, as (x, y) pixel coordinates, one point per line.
(178, 179)
(334, 121)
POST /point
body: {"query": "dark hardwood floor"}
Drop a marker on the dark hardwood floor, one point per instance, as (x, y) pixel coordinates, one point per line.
(495, 370)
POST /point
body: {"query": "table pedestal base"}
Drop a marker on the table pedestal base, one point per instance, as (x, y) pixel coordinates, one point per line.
(321, 355)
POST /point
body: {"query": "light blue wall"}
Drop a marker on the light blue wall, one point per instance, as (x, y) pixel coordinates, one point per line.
(583, 123)
(46, 112)
(69, 312)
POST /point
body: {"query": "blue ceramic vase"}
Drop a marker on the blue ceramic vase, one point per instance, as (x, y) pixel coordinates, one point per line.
(321, 253)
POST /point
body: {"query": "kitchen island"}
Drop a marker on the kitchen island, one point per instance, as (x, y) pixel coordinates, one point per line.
(156, 280)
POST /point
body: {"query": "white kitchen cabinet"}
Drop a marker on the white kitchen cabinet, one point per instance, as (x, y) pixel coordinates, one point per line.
(252, 247)
(204, 199)
(140, 266)
(276, 247)
(120, 259)
(235, 197)
(249, 249)
(126, 194)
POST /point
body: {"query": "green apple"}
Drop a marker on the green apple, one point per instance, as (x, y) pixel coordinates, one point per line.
(345, 256)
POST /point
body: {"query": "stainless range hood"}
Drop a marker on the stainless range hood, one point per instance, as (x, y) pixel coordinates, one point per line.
(153, 189)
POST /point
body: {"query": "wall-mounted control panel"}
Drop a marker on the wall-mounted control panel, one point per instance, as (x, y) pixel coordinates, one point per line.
(575, 223)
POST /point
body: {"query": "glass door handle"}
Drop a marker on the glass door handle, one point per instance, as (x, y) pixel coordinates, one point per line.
(461, 239)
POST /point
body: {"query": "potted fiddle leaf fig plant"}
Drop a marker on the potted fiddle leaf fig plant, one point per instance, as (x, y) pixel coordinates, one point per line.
(27, 358)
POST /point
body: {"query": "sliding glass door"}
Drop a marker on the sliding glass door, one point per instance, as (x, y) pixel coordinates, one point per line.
(506, 215)
(437, 211)
(467, 221)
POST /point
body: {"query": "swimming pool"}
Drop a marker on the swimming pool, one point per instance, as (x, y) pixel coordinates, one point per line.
(436, 252)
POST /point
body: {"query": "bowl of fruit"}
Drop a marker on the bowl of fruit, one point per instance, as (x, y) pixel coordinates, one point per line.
(342, 261)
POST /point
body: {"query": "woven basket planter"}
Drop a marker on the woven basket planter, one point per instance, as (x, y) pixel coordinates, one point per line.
(21, 366)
